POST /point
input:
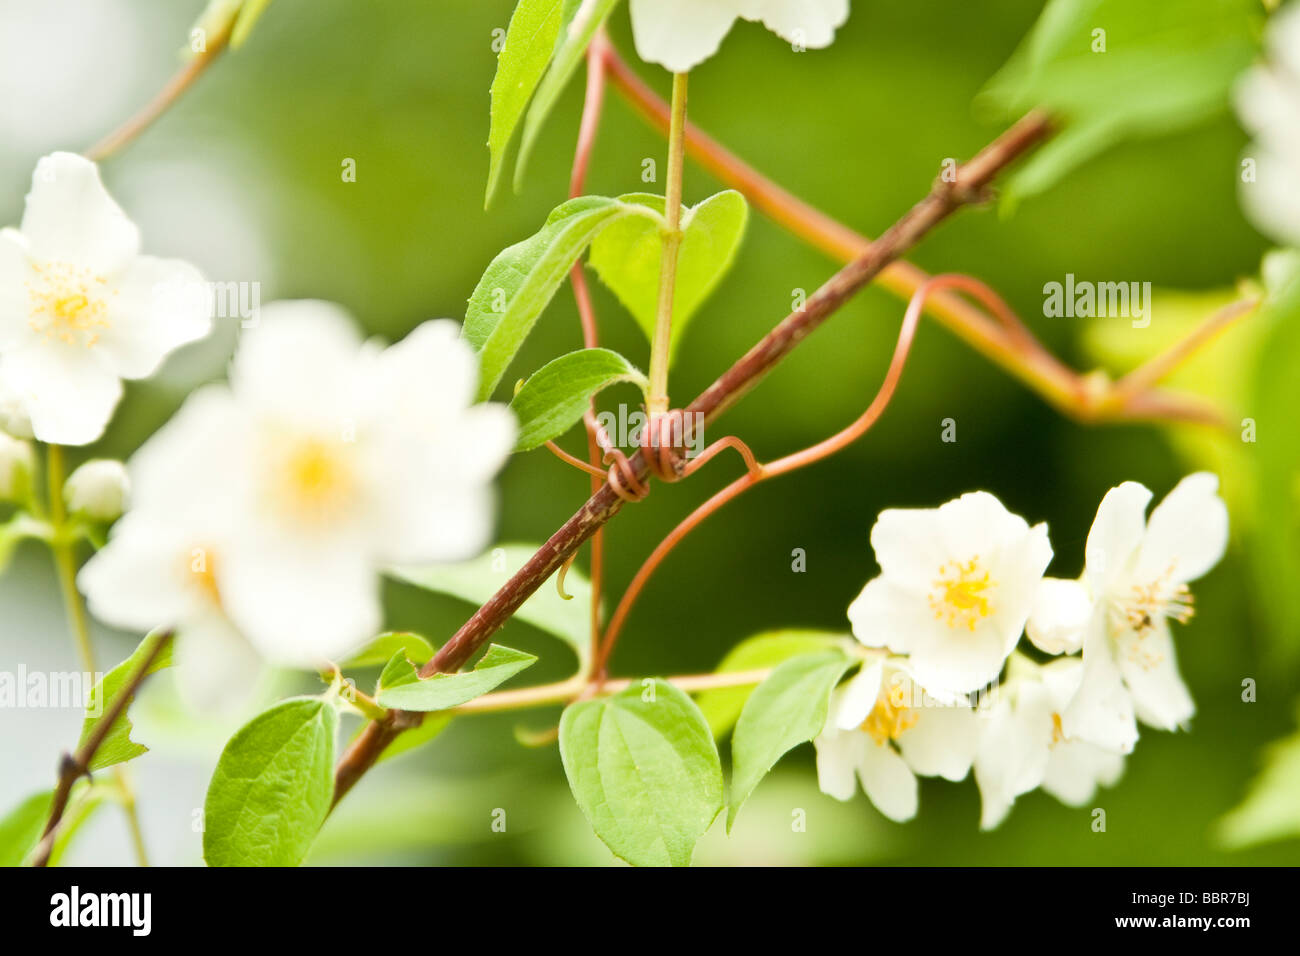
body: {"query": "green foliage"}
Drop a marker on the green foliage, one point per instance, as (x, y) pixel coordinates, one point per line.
(784, 711)
(556, 396)
(644, 770)
(272, 787)
(381, 650)
(21, 827)
(477, 580)
(1275, 557)
(570, 48)
(628, 254)
(521, 280)
(530, 41)
(722, 706)
(117, 745)
(1271, 810)
(401, 687)
(1165, 67)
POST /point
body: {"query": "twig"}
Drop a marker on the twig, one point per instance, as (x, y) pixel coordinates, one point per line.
(75, 766)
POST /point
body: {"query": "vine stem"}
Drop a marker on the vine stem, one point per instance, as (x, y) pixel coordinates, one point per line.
(657, 399)
(944, 199)
(565, 691)
(180, 81)
(62, 544)
(592, 106)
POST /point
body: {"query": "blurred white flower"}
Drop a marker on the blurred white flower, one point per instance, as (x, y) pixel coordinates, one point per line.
(885, 729)
(16, 464)
(13, 414)
(1268, 102)
(274, 503)
(80, 308)
(681, 34)
(1059, 616)
(1023, 746)
(99, 490)
(955, 588)
(1136, 581)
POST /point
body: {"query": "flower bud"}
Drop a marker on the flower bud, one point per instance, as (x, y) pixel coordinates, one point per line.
(16, 463)
(98, 490)
(13, 416)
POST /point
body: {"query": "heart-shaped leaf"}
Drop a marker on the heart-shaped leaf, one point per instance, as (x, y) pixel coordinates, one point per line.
(628, 254)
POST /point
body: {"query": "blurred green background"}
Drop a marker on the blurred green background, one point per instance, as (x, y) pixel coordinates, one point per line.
(243, 177)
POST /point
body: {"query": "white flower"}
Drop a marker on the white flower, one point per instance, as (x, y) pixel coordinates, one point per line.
(1023, 746)
(1136, 581)
(80, 308)
(681, 34)
(98, 489)
(16, 465)
(1268, 102)
(885, 729)
(955, 588)
(325, 461)
(13, 414)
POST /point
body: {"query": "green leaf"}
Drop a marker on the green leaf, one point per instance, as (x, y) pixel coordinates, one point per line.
(400, 686)
(21, 827)
(645, 772)
(784, 711)
(556, 396)
(521, 280)
(1270, 810)
(530, 41)
(477, 580)
(117, 745)
(1166, 67)
(571, 46)
(272, 787)
(627, 256)
(722, 706)
(381, 650)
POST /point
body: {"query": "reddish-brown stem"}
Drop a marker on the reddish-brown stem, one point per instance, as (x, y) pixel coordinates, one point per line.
(181, 81)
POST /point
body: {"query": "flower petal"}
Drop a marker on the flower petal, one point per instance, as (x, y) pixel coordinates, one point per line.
(1075, 768)
(942, 742)
(1116, 533)
(161, 305)
(1187, 533)
(1060, 616)
(887, 780)
(680, 34)
(1101, 711)
(1150, 670)
(68, 391)
(837, 759)
(810, 23)
(71, 218)
(854, 700)
(15, 273)
(217, 671)
(1013, 749)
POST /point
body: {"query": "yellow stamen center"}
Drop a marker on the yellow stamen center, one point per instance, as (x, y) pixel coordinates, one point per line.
(960, 596)
(205, 578)
(317, 480)
(68, 303)
(891, 715)
(1058, 734)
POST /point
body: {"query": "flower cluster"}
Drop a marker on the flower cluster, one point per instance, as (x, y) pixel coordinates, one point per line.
(943, 688)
